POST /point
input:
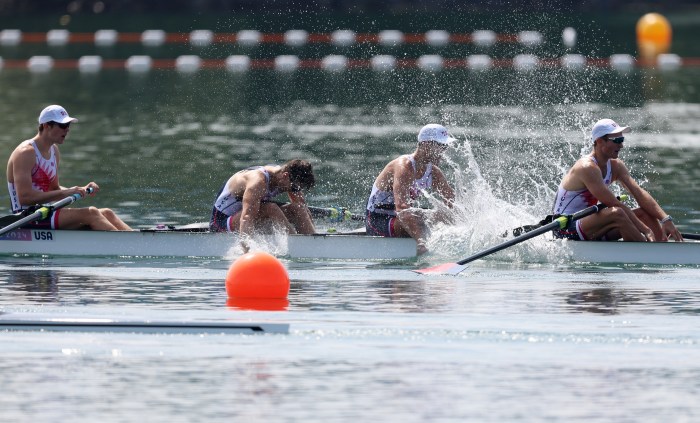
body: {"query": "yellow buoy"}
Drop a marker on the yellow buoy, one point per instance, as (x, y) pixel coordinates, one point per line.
(653, 35)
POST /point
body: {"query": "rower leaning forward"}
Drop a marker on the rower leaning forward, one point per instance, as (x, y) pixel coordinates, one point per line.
(588, 182)
(245, 202)
(391, 211)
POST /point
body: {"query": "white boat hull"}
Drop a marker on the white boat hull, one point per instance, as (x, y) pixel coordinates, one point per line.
(118, 243)
(184, 243)
(359, 247)
(683, 253)
(181, 243)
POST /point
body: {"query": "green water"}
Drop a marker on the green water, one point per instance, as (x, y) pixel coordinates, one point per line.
(161, 144)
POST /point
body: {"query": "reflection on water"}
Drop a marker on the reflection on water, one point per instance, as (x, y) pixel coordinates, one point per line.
(623, 301)
(31, 285)
(484, 289)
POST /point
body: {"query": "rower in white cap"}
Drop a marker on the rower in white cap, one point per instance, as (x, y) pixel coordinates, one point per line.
(587, 183)
(32, 178)
(390, 208)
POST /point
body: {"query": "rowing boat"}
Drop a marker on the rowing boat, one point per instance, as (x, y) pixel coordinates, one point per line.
(80, 324)
(194, 241)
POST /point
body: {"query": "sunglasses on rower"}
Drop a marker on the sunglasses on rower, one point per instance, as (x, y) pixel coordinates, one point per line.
(60, 125)
(616, 140)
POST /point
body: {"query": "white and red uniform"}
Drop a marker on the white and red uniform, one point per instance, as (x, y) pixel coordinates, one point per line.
(43, 176)
(381, 207)
(227, 205)
(570, 202)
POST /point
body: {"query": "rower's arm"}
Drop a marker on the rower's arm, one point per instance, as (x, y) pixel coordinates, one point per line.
(403, 179)
(642, 196)
(442, 187)
(593, 180)
(411, 222)
(648, 203)
(298, 214)
(22, 164)
(252, 196)
(296, 198)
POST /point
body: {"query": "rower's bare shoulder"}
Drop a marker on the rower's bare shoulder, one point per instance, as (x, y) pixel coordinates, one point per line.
(23, 150)
(25, 145)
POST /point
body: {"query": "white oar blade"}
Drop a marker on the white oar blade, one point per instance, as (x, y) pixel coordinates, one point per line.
(442, 269)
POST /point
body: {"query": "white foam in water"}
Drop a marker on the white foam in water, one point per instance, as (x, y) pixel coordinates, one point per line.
(188, 63)
(479, 62)
(248, 37)
(40, 64)
(621, 62)
(472, 194)
(10, 37)
(484, 37)
(57, 37)
(334, 63)
(139, 64)
(90, 64)
(201, 37)
(153, 37)
(238, 63)
(430, 62)
(296, 37)
(383, 63)
(669, 61)
(390, 37)
(480, 217)
(530, 38)
(286, 63)
(568, 37)
(437, 38)
(106, 37)
(343, 37)
(573, 61)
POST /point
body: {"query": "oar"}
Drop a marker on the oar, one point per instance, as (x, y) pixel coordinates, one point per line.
(43, 212)
(691, 236)
(333, 214)
(560, 222)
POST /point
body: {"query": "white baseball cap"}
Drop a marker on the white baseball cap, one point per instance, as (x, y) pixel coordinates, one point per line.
(607, 127)
(435, 132)
(55, 113)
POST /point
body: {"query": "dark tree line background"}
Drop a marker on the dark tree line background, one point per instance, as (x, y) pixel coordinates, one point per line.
(27, 7)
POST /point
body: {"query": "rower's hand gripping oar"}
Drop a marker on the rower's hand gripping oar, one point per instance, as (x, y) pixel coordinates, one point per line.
(43, 212)
(559, 223)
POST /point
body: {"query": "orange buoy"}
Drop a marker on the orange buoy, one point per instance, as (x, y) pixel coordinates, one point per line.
(257, 275)
(653, 35)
